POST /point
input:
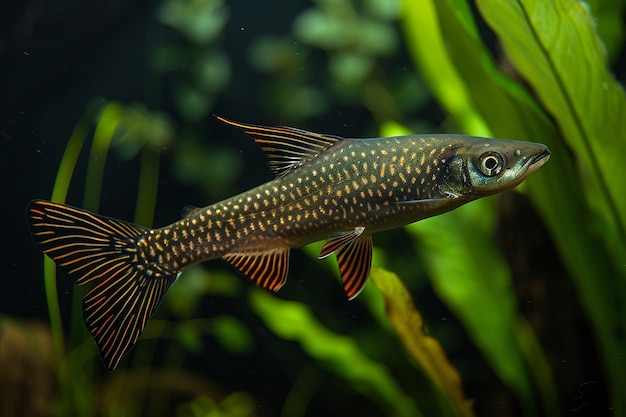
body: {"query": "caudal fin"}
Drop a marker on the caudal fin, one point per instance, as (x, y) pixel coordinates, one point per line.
(93, 248)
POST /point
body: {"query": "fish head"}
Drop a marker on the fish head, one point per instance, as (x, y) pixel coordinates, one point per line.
(479, 167)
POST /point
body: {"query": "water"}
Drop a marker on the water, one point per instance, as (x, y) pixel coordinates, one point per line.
(148, 77)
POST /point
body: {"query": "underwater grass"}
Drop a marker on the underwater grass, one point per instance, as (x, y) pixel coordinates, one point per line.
(73, 373)
(577, 193)
(340, 354)
(67, 401)
(59, 195)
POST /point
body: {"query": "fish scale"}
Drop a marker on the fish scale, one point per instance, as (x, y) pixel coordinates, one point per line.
(322, 198)
(326, 187)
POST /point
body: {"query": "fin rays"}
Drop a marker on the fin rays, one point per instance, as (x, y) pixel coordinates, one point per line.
(93, 248)
(266, 269)
(355, 262)
(354, 257)
(286, 147)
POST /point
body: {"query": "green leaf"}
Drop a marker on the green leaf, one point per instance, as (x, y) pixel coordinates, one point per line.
(339, 353)
(471, 277)
(557, 191)
(423, 33)
(237, 404)
(426, 350)
(609, 16)
(554, 45)
(467, 271)
(350, 68)
(232, 334)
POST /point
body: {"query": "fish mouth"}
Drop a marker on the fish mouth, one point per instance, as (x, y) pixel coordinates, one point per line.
(533, 164)
(538, 161)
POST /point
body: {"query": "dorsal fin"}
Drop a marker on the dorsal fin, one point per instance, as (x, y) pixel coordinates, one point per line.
(188, 211)
(286, 147)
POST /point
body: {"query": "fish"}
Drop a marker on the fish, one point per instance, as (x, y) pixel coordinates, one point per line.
(341, 190)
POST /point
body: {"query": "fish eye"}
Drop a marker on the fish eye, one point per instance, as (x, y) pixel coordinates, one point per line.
(491, 163)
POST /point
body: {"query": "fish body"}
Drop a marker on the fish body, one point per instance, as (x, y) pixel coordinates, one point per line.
(327, 187)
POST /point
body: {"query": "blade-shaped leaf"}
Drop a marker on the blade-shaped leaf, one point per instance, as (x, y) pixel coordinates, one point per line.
(470, 274)
(557, 191)
(609, 16)
(554, 45)
(428, 49)
(339, 353)
(425, 349)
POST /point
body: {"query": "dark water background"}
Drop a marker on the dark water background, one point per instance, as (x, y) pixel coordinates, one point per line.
(58, 59)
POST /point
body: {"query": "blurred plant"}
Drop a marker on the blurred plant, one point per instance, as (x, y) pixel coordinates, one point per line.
(201, 69)
(358, 41)
(195, 70)
(352, 38)
(137, 128)
(212, 168)
(184, 301)
(290, 90)
(339, 354)
(343, 53)
(238, 404)
(26, 352)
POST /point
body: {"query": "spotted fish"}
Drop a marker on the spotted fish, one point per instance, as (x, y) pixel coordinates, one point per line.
(326, 188)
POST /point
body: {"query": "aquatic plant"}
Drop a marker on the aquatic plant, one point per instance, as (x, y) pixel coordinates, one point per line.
(561, 92)
(550, 82)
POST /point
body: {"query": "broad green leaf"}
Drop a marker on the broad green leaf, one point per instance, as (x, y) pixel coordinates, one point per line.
(609, 18)
(423, 34)
(503, 111)
(425, 349)
(554, 45)
(556, 190)
(467, 270)
(338, 353)
(471, 277)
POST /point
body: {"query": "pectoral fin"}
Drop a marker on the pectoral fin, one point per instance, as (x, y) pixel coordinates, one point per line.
(447, 196)
(424, 202)
(267, 269)
(354, 256)
(337, 241)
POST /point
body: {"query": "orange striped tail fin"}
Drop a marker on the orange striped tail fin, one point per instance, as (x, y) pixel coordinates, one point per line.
(91, 248)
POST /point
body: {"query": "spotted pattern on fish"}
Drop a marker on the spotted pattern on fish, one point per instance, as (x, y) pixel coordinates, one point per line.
(326, 188)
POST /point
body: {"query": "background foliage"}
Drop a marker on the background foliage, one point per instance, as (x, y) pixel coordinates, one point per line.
(512, 305)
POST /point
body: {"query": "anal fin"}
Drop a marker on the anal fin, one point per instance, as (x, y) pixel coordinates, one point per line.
(267, 269)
